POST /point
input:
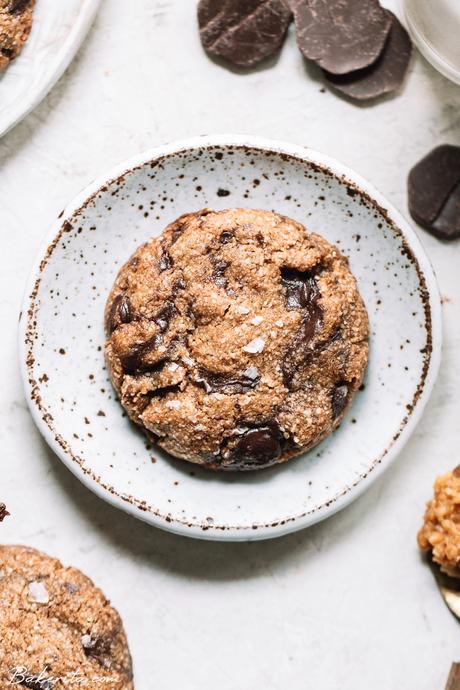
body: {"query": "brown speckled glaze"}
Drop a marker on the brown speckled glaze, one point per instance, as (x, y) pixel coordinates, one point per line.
(110, 220)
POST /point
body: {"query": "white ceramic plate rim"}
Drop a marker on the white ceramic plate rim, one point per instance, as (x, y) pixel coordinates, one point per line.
(56, 68)
(240, 533)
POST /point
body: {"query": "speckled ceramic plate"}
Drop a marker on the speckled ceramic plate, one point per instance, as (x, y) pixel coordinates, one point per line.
(61, 335)
(58, 30)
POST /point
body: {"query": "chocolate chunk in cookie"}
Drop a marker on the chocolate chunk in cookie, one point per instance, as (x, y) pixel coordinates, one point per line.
(385, 75)
(341, 36)
(339, 398)
(301, 288)
(259, 446)
(120, 312)
(215, 382)
(244, 32)
(18, 6)
(434, 192)
(53, 623)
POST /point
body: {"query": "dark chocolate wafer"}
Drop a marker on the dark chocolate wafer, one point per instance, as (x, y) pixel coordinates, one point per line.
(385, 75)
(244, 32)
(341, 36)
(434, 192)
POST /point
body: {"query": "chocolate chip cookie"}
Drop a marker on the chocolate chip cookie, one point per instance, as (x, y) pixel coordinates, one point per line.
(15, 26)
(236, 339)
(440, 533)
(56, 628)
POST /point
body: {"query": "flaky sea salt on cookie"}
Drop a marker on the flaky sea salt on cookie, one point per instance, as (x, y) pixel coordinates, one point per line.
(236, 338)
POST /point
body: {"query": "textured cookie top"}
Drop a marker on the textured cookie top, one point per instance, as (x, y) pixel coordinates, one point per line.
(236, 338)
(15, 26)
(440, 533)
(55, 624)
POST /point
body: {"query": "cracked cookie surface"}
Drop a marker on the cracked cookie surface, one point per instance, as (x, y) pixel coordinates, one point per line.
(236, 339)
(15, 26)
(56, 628)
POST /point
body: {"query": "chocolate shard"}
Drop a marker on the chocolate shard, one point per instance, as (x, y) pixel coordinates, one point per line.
(385, 75)
(3, 512)
(339, 398)
(259, 445)
(434, 192)
(341, 36)
(244, 32)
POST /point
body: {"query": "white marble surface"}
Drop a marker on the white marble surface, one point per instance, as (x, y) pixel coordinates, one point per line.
(346, 605)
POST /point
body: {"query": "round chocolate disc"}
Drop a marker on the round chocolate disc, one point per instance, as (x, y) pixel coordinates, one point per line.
(341, 36)
(386, 74)
(434, 192)
(244, 32)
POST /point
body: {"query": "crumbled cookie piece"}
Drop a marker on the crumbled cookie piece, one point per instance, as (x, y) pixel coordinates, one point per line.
(237, 338)
(440, 533)
(3, 512)
(15, 26)
(56, 628)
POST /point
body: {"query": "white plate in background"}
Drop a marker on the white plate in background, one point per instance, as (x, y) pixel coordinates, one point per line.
(58, 30)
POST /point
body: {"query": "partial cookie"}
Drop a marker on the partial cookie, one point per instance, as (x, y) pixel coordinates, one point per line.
(341, 36)
(55, 624)
(237, 339)
(244, 32)
(434, 192)
(440, 533)
(15, 26)
(385, 75)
